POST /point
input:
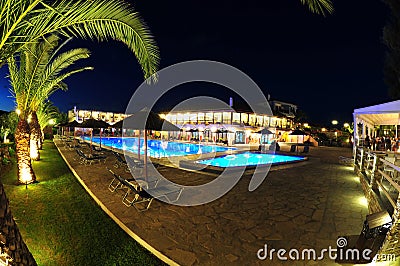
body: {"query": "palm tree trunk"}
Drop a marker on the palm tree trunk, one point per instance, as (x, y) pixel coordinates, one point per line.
(25, 171)
(11, 241)
(41, 140)
(36, 137)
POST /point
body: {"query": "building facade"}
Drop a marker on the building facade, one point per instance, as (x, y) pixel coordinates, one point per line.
(217, 126)
(81, 115)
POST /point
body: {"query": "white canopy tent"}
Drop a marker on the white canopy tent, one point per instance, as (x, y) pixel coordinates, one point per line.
(376, 115)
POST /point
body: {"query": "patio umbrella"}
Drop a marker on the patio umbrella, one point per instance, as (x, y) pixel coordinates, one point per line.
(72, 124)
(147, 120)
(119, 124)
(264, 131)
(93, 123)
(298, 132)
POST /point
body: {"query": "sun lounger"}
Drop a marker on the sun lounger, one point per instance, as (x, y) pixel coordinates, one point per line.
(119, 162)
(89, 159)
(117, 181)
(134, 164)
(142, 199)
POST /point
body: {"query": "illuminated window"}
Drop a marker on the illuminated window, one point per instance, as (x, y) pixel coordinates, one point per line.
(186, 118)
(236, 118)
(273, 122)
(193, 118)
(172, 119)
(252, 120)
(209, 118)
(226, 118)
(266, 121)
(244, 118)
(179, 118)
(217, 118)
(260, 120)
(200, 117)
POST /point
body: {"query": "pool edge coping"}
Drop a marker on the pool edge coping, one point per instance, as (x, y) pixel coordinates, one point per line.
(193, 165)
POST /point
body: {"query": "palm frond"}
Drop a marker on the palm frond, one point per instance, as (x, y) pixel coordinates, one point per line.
(97, 19)
(55, 83)
(46, 112)
(38, 71)
(13, 16)
(321, 7)
(46, 78)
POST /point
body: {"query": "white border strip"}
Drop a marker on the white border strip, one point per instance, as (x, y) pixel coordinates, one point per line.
(138, 239)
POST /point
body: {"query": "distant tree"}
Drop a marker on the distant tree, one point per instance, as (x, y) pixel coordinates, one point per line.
(391, 37)
(8, 124)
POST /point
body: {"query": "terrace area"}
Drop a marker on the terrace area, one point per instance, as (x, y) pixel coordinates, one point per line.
(304, 205)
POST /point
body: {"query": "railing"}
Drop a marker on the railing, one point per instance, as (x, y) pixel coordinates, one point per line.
(381, 174)
(391, 168)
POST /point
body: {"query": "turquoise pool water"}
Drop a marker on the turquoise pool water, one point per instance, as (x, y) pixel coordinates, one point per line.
(249, 159)
(159, 148)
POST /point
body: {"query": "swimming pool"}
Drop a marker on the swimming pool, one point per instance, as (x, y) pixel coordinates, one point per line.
(159, 148)
(250, 159)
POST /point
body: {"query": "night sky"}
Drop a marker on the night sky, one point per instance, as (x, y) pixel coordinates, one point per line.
(327, 66)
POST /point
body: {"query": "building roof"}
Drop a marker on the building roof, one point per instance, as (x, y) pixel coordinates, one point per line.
(380, 114)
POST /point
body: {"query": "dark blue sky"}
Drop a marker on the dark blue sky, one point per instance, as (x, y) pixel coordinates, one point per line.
(327, 66)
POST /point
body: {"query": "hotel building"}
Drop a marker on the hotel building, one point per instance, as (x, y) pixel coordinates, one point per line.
(218, 126)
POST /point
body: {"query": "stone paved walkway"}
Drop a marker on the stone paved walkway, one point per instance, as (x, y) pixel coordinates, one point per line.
(302, 206)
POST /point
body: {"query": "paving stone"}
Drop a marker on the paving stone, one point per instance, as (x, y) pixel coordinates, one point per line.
(300, 219)
(318, 215)
(246, 236)
(202, 220)
(231, 257)
(183, 256)
(231, 216)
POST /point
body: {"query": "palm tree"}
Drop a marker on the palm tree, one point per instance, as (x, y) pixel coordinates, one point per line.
(23, 22)
(47, 115)
(45, 74)
(38, 74)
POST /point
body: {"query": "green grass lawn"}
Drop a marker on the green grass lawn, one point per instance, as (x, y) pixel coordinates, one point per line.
(62, 224)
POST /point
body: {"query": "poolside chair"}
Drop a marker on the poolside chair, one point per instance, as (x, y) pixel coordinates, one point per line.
(120, 162)
(134, 164)
(71, 146)
(89, 159)
(142, 199)
(293, 148)
(117, 181)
